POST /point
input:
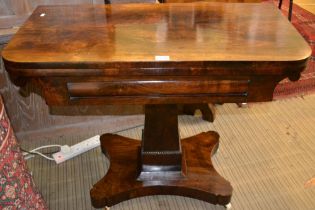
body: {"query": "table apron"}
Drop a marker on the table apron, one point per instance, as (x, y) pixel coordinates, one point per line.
(155, 90)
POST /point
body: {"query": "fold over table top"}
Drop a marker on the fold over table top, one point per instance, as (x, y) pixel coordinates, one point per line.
(102, 36)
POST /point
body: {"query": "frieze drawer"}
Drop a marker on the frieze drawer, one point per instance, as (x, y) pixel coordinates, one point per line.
(156, 88)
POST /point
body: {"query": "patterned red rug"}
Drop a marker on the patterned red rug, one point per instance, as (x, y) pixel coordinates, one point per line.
(304, 22)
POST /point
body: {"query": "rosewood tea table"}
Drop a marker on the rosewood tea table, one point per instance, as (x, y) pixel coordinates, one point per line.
(158, 55)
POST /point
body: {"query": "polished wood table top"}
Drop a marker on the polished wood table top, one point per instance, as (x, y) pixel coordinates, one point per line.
(158, 55)
(103, 35)
(226, 1)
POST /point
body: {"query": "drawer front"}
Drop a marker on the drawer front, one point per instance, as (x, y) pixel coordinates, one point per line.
(156, 88)
(111, 90)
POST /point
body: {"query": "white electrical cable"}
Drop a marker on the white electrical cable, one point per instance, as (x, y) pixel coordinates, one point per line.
(46, 146)
(44, 156)
(43, 147)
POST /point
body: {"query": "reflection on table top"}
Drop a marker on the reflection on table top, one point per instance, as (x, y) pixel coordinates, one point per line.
(141, 32)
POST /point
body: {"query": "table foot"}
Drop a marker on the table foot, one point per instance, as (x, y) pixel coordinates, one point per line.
(198, 178)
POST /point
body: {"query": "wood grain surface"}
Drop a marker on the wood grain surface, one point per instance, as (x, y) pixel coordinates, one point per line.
(215, 32)
(229, 1)
(21, 7)
(13, 13)
(200, 179)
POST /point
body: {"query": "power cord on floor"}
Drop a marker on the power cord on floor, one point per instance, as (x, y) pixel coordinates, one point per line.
(62, 148)
(29, 154)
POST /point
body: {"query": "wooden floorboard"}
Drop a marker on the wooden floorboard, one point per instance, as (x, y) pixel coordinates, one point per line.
(267, 152)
